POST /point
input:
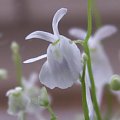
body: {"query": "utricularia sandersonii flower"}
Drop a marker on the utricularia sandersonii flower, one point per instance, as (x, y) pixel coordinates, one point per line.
(100, 64)
(17, 101)
(63, 64)
(27, 99)
(33, 92)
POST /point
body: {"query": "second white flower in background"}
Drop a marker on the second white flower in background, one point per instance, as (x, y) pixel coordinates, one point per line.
(101, 67)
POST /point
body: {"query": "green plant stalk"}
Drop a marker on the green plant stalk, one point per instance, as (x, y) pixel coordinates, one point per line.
(21, 116)
(93, 89)
(53, 116)
(18, 66)
(84, 99)
(86, 48)
(89, 27)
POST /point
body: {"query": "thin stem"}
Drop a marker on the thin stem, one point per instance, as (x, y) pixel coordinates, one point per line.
(21, 116)
(89, 28)
(93, 89)
(86, 48)
(84, 99)
(18, 65)
(53, 116)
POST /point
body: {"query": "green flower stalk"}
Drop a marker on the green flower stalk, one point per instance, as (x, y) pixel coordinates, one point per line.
(84, 99)
(17, 61)
(44, 101)
(21, 116)
(53, 116)
(18, 65)
(86, 48)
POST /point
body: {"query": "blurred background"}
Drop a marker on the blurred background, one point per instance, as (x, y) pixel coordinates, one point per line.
(18, 18)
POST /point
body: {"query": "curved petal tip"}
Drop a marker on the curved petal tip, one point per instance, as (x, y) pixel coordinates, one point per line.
(64, 10)
(32, 35)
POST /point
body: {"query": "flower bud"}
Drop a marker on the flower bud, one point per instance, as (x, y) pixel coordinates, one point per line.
(3, 74)
(43, 98)
(115, 82)
(14, 47)
(84, 57)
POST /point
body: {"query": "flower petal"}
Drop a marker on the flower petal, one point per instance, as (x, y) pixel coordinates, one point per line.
(31, 81)
(57, 17)
(41, 35)
(56, 73)
(89, 100)
(99, 94)
(35, 59)
(33, 78)
(78, 33)
(104, 32)
(102, 70)
(72, 55)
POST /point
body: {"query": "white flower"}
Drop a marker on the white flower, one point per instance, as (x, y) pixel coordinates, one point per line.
(30, 83)
(100, 64)
(32, 91)
(63, 64)
(18, 102)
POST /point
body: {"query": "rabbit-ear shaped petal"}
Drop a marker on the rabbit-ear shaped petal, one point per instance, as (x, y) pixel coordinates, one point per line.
(57, 17)
(78, 33)
(41, 35)
(104, 32)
